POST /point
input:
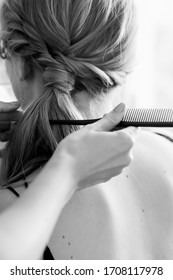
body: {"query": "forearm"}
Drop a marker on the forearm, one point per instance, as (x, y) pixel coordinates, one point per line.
(25, 227)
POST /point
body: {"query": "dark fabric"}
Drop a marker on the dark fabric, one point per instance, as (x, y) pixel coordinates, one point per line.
(47, 255)
(13, 191)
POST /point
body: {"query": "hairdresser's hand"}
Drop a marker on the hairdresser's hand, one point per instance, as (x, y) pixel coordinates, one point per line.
(8, 114)
(97, 154)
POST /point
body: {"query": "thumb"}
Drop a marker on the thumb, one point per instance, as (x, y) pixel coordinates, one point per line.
(110, 120)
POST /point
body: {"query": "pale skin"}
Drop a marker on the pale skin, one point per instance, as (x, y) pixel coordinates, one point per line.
(127, 217)
(76, 165)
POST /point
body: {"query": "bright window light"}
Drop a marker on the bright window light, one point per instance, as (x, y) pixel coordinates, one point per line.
(151, 83)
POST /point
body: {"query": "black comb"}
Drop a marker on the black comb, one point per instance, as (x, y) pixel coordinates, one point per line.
(132, 117)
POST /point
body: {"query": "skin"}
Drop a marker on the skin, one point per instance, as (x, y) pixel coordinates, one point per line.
(125, 218)
(71, 166)
(8, 114)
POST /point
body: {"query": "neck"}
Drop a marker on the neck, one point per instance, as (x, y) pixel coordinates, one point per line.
(90, 107)
(34, 88)
(96, 108)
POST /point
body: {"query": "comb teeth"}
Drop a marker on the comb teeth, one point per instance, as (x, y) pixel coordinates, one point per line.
(148, 115)
(133, 117)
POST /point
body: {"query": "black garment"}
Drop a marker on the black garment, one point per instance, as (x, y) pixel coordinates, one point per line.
(47, 255)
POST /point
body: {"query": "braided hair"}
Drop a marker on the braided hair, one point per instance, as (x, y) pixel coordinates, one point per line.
(78, 45)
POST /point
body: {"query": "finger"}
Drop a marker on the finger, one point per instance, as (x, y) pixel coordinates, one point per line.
(4, 126)
(110, 120)
(5, 136)
(9, 106)
(10, 116)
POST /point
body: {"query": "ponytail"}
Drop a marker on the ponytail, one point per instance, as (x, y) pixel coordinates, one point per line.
(34, 140)
(78, 46)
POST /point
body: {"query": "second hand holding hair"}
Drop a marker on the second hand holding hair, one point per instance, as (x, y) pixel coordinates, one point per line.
(8, 115)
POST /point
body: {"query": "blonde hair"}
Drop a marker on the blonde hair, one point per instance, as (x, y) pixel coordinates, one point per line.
(78, 45)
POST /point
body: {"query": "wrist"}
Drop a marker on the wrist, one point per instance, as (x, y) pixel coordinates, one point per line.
(63, 166)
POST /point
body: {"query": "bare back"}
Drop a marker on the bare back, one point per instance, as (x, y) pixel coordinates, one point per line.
(129, 217)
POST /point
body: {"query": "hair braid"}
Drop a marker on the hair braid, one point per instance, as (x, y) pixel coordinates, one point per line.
(77, 45)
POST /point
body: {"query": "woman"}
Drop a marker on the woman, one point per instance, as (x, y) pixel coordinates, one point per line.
(67, 60)
(15, 229)
(25, 216)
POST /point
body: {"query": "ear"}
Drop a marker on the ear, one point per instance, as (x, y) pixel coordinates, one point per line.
(23, 68)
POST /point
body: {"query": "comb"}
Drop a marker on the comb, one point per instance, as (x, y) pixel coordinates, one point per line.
(132, 117)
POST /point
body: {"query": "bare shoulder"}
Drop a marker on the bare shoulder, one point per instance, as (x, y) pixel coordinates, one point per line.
(155, 149)
(153, 161)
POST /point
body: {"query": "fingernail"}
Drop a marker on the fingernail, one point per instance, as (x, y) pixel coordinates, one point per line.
(120, 108)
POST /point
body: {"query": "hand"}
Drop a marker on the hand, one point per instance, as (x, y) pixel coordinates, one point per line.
(97, 154)
(8, 115)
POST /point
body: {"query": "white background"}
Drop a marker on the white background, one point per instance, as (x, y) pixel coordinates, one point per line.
(151, 84)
